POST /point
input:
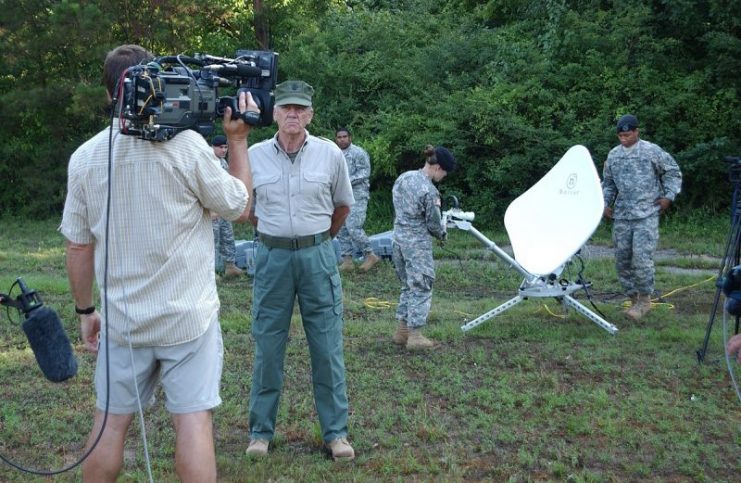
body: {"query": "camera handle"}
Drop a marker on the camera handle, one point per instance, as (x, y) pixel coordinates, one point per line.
(250, 117)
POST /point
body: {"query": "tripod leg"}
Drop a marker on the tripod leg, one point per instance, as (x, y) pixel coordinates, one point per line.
(492, 313)
(572, 302)
(701, 352)
(732, 253)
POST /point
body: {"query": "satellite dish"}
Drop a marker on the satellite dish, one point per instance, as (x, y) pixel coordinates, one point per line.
(552, 220)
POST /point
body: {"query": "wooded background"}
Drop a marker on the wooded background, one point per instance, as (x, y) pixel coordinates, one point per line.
(507, 85)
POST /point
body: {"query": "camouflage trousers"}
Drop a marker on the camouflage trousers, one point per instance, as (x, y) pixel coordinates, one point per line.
(352, 237)
(416, 271)
(223, 241)
(635, 245)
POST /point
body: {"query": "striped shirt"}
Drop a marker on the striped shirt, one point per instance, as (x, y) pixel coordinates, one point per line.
(161, 288)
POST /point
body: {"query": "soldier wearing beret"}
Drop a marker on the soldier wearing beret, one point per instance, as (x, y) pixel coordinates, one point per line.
(223, 229)
(352, 237)
(640, 182)
(417, 220)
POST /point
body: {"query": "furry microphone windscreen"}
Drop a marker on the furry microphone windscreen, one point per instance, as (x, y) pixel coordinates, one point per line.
(50, 344)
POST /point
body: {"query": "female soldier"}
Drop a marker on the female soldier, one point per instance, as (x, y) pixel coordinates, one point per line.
(417, 220)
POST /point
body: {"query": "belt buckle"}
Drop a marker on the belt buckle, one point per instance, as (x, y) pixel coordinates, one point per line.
(294, 244)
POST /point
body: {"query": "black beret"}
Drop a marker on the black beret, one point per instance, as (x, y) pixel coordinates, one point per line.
(218, 140)
(445, 159)
(627, 122)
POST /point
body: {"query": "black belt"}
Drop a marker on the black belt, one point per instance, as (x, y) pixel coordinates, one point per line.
(294, 243)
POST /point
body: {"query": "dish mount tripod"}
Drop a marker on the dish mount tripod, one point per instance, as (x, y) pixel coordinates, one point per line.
(533, 285)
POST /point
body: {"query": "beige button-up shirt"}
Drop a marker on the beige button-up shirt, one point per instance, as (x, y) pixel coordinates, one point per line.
(161, 284)
(294, 199)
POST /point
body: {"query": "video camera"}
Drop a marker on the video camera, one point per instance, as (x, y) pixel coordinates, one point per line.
(166, 96)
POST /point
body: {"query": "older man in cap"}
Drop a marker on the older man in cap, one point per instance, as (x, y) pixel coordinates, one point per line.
(302, 197)
(640, 182)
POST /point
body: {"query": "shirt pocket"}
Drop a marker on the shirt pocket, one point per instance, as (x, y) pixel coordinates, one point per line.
(316, 185)
(268, 188)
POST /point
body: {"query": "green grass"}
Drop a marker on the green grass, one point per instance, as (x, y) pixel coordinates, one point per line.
(531, 395)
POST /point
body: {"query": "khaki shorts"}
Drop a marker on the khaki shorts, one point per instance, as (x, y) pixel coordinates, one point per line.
(190, 374)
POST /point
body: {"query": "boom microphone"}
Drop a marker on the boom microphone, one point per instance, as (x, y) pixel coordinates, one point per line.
(46, 336)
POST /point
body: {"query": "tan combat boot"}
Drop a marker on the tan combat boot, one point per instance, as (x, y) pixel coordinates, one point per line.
(231, 271)
(640, 308)
(258, 447)
(370, 261)
(346, 264)
(402, 334)
(417, 341)
(341, 450)
(633, 301)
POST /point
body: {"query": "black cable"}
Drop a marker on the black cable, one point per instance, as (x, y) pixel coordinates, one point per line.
(585, 284)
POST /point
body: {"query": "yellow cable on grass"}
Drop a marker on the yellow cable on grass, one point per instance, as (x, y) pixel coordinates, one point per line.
(547, 309)
(680, 289)
(378, 304)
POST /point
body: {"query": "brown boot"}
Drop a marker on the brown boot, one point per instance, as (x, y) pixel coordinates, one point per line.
(231, 271)
(417, 341)
(370, 261)
(640, 308)
(402, 334)
(346, 264)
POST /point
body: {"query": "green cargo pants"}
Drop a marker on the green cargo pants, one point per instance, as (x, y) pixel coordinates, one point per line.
(280, 276)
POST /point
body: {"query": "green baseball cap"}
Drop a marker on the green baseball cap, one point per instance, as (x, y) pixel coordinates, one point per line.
(293, 92)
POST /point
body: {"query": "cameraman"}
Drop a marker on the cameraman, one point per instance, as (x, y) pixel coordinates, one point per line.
(147, 255)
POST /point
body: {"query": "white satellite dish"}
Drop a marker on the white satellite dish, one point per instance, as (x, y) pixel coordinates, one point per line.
(552, 220)
(547, 225)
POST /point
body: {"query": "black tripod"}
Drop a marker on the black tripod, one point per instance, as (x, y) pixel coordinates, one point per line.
(733, 248)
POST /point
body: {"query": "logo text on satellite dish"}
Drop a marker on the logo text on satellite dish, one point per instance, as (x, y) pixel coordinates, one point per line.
(571, 182)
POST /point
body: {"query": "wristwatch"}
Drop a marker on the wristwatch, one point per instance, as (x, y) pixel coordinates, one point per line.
(85, 311)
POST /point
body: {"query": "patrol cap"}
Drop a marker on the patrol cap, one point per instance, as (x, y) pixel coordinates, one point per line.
(445, 159)
(293, 92)
(218, 140)
(627, 123)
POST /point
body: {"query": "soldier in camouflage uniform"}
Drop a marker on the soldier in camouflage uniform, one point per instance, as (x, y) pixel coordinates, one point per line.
(640, 182)
(223, 229)
(352, 237)
(417, 220)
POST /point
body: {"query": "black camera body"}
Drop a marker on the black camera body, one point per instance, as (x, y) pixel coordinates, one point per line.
(168, 95)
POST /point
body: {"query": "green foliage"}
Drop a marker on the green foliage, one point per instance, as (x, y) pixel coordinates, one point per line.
(508, 85)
